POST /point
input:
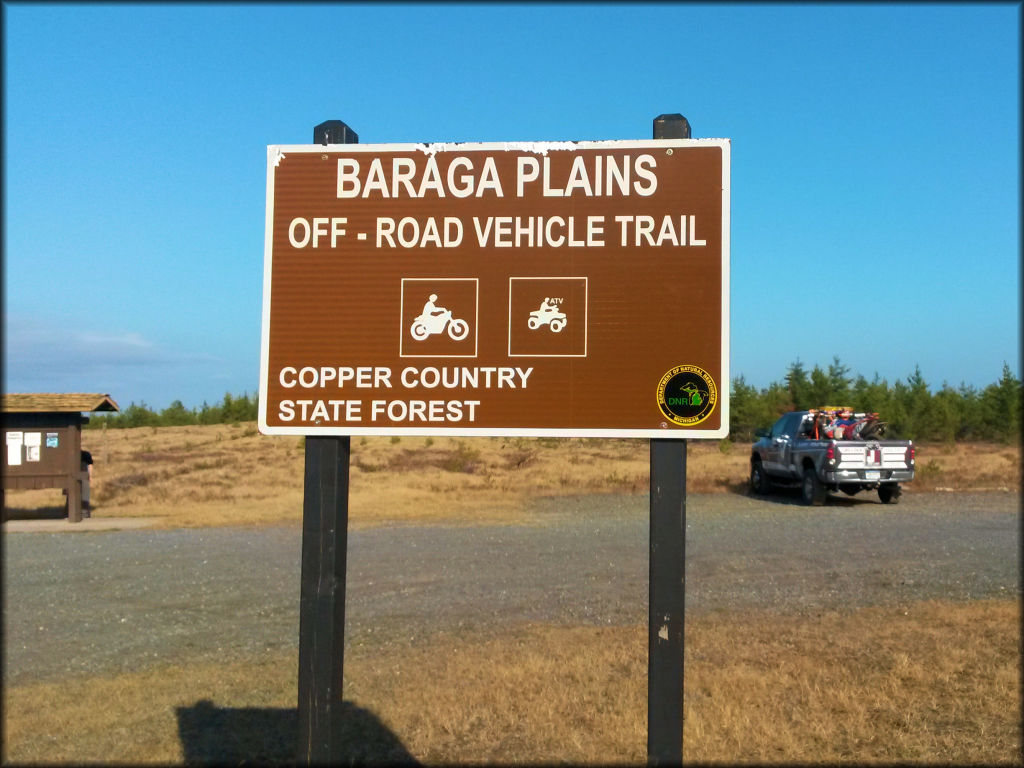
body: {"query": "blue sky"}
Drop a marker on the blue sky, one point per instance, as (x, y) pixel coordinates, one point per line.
(875, 166)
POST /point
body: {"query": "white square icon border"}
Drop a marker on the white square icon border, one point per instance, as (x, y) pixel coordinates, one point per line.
(476, 318)
(586, 311)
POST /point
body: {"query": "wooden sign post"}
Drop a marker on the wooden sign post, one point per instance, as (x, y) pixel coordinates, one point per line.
(324, 557)
(666, 579)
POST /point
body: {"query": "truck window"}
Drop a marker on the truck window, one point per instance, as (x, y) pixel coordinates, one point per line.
(788, 425)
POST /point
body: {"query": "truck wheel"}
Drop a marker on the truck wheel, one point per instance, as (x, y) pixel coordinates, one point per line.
(759, 483)
(889, 493)
(812, 490)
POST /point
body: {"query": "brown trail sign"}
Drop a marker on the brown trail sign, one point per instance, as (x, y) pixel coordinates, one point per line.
(560, 289)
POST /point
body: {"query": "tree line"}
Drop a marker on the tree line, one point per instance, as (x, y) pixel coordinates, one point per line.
(232, 409)
(909, 406)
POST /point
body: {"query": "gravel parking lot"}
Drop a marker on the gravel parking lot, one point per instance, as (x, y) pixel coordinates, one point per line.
(113, 601)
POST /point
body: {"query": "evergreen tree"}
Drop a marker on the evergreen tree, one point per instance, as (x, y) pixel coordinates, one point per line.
(876, 397)
(776, 402)
(839, 381)
(820, 389)
(1000, 407)
(176, 415)
(968, 405)
(798, 386)
(744, 407)
(210, 414)
(235, 409)
(137, 416)
(227, 409)
(944, 417)
(916, 401)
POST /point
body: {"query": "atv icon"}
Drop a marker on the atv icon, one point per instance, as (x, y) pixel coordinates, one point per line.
(548, 315)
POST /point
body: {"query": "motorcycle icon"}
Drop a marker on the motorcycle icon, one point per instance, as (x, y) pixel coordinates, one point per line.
(428, 325)
(548, 315)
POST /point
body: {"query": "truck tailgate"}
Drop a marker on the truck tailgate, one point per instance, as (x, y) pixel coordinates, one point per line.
(871, 456)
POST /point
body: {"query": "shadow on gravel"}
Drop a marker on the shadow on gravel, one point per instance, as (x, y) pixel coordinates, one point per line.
(41, 513)
(792, 497)
(212, 735)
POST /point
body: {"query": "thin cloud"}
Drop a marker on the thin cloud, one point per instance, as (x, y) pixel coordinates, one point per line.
(35, 349)
(124, 340)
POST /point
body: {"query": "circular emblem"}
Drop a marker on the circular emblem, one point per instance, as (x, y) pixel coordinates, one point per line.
(687, 395)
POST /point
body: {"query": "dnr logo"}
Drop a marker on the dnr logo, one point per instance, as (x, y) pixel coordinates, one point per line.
(687, 395)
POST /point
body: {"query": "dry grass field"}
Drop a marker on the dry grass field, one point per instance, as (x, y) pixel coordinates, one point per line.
(232, 475)
(932, 683)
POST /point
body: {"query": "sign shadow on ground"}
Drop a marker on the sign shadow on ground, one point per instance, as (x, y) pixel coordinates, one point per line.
(212, 735)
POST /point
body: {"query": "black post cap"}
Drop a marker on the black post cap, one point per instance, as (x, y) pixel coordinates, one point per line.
(334, 132)
(673, 126)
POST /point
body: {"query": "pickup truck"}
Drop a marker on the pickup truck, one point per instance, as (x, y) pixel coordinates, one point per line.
(790, 454)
